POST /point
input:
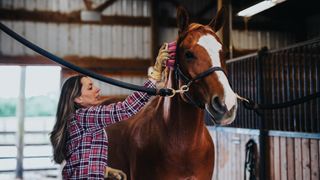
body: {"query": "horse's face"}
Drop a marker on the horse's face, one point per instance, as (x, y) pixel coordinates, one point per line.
(200, 49)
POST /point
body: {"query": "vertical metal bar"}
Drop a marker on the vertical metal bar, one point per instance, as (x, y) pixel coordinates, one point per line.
(288, 80)
(315, 76)
(282, 90)
(252, 88)
(317, 89)
(308, 58)
(292, 89)
(273, 90)
(243, 92)
(287, 87)
(20, 116)
(262, 55)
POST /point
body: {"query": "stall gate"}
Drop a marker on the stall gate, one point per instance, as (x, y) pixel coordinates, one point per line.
(288, 139)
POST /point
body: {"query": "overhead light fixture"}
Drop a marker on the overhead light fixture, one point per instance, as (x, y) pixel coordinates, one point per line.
(257, 8)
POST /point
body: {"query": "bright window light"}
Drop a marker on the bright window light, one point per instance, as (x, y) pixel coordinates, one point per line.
(257, 8)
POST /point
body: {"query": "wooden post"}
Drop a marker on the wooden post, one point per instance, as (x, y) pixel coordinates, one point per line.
(20, 116)
(225, 32)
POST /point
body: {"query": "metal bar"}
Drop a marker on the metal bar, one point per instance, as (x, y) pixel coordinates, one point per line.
(297, 45)
(254, 132)
(36, 169)
(26, 157)
(21, 117)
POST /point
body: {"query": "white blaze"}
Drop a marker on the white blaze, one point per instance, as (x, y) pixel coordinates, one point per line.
(212, 46)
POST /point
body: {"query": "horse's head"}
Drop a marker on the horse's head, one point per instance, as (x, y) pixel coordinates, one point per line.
(200, 64)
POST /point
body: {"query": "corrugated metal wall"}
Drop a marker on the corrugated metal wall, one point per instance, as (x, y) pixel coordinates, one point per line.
(244, 39)
(103, 41)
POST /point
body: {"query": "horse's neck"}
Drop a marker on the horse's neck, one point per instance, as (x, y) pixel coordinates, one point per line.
(179, 116)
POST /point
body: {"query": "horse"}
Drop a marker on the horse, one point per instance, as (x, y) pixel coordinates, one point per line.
(168, 138)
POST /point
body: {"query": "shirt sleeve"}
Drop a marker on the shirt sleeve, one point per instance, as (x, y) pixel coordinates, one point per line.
(104, 115)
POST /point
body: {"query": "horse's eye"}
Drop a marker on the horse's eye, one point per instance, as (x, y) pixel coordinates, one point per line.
(189, 55)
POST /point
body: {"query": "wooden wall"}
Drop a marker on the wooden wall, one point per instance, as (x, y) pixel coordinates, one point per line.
(293, 158)
(101, 41)
(290, 156)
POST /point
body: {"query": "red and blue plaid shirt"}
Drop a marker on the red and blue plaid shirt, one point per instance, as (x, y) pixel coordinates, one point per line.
(87, 142)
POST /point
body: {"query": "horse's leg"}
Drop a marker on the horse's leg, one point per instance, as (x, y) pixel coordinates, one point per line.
(118, 148)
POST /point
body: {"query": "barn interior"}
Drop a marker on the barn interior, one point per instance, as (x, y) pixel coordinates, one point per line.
(121, 38)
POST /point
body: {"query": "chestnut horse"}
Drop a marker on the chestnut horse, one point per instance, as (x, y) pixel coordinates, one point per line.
(168, 139)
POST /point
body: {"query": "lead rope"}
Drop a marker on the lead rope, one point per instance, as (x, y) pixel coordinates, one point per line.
(250, 104)
(250, 159)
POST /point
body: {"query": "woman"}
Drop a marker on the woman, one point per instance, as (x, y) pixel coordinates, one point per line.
(78, 136)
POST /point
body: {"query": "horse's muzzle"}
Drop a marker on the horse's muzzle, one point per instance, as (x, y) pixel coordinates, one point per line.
(219, 112)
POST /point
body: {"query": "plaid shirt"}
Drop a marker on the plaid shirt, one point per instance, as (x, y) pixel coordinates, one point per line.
(87, 142)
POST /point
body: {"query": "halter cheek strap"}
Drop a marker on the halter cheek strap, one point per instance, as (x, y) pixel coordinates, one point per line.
(180, 75)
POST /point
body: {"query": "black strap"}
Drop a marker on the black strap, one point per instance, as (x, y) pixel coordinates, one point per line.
(150, 91)
(250, 104)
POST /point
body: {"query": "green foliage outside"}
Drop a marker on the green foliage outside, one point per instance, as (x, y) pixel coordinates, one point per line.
(35, 106)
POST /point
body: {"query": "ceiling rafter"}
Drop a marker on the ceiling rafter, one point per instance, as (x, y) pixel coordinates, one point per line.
(72, 17)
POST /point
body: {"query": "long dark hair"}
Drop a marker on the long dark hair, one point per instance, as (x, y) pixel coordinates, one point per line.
(71, 89)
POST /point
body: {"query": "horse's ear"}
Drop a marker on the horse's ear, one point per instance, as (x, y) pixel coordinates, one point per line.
(182, 19)
(217, 22)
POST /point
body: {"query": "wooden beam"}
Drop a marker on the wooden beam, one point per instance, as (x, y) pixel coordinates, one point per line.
(72, 17)
(107, 65)
(88, 4)
(104, 5)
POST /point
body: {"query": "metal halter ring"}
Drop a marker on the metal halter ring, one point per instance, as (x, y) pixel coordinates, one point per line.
(182, 89)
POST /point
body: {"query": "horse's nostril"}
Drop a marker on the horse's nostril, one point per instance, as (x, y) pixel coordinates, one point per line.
(218, 105)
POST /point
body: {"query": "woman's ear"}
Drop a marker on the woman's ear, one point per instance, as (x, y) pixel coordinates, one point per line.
(78, 100)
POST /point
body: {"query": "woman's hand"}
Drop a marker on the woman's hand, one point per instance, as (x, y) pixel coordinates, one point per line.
(155, 72)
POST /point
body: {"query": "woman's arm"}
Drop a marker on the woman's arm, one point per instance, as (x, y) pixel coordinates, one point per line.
(104, 115)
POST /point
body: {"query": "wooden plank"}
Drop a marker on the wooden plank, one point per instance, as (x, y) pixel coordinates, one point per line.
(6, 41)
(290, 158)
(106, 41)
(147, 44)
(95, 41)
(277, 171)
(30, 5)
(237, 155)
(70, 18)
(63, 6)
(18, 4)
(41, 5)
(314, 154)
(298, 158)
(74, 39)
(137, 40)
(63, 40)
(305, 144)
(271, 174)
(84, 39)
(214, 137)
(242, 153)
(52, 38)
(30, 34)
(42, 35)
(283, 157)
(18, 48)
